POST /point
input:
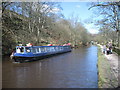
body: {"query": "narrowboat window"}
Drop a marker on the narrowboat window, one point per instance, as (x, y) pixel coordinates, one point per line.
(48, 49)
(33, 50)
(53, 49)
(56, 48)
(28, 49)
(60, 48)
(20, 50)
(45, 49)
(42, 49)
(39, 50)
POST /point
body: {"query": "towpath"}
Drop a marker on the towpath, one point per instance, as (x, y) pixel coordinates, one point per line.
(113, 60)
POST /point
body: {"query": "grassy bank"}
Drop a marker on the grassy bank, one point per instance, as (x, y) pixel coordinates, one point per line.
(104, 74)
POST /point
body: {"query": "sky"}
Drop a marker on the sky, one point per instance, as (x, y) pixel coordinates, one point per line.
(80, 10)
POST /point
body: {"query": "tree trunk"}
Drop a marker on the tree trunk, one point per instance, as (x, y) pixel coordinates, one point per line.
(118, 24)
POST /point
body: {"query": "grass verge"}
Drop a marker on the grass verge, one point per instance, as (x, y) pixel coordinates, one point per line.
(103, 70)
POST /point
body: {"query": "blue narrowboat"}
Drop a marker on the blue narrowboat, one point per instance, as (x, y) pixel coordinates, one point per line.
(29, 53)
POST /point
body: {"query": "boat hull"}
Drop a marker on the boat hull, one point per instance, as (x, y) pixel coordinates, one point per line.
(34, 57)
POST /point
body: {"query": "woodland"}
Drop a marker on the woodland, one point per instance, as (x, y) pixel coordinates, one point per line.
(42, 23)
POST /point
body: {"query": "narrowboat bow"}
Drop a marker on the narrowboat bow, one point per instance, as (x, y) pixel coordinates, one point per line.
(30, 53)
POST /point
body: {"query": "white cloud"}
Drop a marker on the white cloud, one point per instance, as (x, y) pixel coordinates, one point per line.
(91, 28)
(47, 7)
(78, 6)
(93, 31)
(55, 10)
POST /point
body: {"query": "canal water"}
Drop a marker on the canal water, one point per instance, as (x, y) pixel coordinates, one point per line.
(76, 69)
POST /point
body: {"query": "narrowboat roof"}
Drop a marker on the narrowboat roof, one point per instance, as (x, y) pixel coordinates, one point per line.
(40, 46)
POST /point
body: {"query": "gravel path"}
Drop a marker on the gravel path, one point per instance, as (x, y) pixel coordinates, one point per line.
(113, 59)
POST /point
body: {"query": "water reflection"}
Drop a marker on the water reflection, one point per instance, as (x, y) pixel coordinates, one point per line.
(76, 69)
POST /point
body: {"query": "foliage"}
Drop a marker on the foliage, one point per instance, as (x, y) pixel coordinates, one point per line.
(39, 23)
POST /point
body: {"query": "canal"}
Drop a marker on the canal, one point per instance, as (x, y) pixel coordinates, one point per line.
(76, 69)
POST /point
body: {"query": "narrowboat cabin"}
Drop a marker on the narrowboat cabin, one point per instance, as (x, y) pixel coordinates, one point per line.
(23, 53)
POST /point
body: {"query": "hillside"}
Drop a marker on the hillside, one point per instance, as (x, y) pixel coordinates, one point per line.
(17, 28)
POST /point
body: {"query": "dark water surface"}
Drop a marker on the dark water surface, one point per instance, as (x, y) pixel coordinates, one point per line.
(76, 69)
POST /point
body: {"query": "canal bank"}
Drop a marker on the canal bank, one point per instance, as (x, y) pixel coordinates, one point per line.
(107, 70)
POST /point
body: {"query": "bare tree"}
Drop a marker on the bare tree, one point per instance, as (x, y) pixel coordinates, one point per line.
(111, 11)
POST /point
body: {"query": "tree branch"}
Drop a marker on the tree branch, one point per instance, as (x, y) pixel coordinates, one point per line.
(102, 5)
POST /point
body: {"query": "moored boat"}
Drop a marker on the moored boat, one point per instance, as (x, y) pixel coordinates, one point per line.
(29, 53)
